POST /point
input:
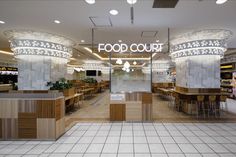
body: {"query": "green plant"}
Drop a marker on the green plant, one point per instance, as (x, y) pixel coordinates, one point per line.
(60, 85)
(90, 80)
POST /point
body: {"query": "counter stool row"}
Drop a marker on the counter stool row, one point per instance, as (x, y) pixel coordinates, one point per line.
(205, 105)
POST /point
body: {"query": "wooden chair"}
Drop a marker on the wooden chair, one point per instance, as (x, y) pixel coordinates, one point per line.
(213, 105)
(223, 103)
(200, 105)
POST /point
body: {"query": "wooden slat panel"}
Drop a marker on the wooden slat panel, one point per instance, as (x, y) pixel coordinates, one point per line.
(147, 98)
(45, 109)
(8, 108)
(27, 125)
(59, 109)
(46, 128)
(60, 127)
(27, 105)
(133, 111)
(117, 112)
(147, 112)
(9, 128)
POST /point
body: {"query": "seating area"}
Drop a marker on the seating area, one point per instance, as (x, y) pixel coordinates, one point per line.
(199, 105)
(83, 91)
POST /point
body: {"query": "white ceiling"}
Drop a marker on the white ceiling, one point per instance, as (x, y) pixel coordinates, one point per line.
(75, 23)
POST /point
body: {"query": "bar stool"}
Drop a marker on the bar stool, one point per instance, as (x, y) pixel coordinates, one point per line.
(177, 102)
(223, 103)
(213, 105)
(171, 100)
(200, 105)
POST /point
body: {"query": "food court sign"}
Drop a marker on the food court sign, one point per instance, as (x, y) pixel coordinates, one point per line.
(135, 47)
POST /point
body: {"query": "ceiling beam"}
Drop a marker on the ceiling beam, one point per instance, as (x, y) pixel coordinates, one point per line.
(165, 3)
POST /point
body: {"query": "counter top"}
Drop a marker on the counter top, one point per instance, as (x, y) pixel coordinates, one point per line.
(31, 96)
(184, 93)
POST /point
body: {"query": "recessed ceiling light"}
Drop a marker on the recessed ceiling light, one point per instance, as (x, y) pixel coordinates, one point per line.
(119, 41)
(131, 1)
(57, 21)
(114, 12)
(221, 1)
(82, 41)
(2, 22)
(90, 1)
(157, 41)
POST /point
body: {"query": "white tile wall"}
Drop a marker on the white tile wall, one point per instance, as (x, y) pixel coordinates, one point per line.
(198, 72)
(36, 71)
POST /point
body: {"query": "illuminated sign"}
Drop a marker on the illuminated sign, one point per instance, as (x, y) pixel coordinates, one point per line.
(153, 47)
(8, 69)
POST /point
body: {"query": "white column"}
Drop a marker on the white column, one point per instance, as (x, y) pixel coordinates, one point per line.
(41, 57)
(197, 56)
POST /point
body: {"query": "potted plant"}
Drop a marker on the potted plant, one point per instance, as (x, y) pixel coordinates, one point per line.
(63, 86)
(90, 81)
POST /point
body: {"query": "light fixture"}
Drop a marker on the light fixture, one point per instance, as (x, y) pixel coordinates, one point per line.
(114, 12)
(88, 49)
(126, 65)
(127, 70)
(2, 22)
(134, 63)
(90, 1)
(7, 53)
(221, 1)
(131, 1)
(119, 41)
(132, 70)
(82, 41)
(57, 21)
(119, 61)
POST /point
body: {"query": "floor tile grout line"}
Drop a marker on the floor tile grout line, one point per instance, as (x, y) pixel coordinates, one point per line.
(78, 139)
(106, 139)
(133, 139)
(119, 140)
(175, 141)
(86, 143)
(161, 140)
(147, 139)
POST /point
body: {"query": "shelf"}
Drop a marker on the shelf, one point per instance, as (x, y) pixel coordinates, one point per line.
(227, 71)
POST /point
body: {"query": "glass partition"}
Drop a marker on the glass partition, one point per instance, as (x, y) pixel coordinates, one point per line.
(131, 75)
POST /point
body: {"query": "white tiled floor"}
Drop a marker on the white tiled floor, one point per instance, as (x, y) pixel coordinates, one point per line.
(133, 140)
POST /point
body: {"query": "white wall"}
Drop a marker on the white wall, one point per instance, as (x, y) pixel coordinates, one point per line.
(198, 72)
(35, 71)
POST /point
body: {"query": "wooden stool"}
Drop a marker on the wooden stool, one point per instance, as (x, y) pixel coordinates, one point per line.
(200, 105)
(177, 102)
(223, 103)
(213, 105)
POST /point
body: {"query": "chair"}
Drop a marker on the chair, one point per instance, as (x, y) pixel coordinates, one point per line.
(213, 105)
(177, 102)
(223, 103)
(200, 105)
(171, 100)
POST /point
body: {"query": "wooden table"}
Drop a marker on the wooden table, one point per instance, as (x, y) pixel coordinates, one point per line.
(70, 101)
(87, 92)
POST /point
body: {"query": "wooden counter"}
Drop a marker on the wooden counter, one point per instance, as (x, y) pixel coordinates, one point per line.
(32, 116)
(189, 98)
(135, 106)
